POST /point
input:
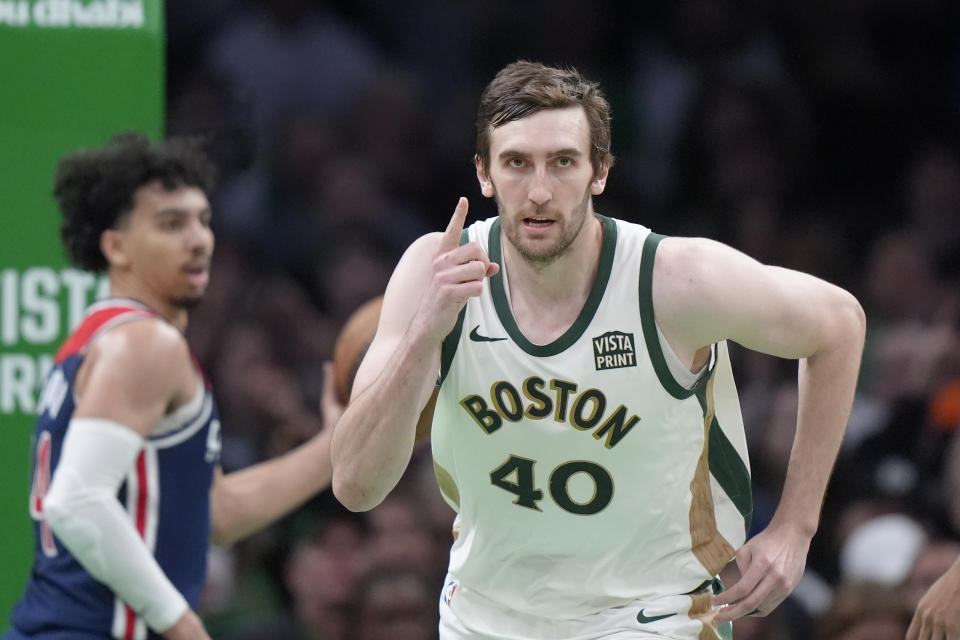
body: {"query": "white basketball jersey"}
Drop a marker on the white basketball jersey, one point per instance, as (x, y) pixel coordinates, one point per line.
(584, 474)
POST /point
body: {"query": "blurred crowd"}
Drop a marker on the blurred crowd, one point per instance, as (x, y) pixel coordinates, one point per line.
(817, 135)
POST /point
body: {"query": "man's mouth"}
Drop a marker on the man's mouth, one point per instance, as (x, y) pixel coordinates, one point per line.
(537, 222)
(198, 274)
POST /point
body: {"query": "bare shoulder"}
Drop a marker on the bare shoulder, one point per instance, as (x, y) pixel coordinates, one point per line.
(147, 341)
(706, 291)
(692, 258)
(143, 353)
(687, 272)
(135, 373)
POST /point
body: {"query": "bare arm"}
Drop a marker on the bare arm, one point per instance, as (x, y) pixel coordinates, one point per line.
(116, 383)
(704, 292)
(373, 441)
(245, 501)
(120, 399)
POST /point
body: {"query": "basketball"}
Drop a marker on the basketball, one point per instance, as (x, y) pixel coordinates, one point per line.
(352, 343)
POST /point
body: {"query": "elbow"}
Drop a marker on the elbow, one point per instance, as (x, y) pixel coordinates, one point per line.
(66, 503)
(845, 327)
(56, 510)
(856, 318)
(352, 494)
(352, 487)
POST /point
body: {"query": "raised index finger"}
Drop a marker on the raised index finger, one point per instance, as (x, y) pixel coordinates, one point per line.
(451, 237)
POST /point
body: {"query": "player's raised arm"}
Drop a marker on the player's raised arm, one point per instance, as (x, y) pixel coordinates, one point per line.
(704, 292)
(373, 441)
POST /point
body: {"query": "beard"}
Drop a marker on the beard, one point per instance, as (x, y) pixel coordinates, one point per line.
(187, 302)
(537, 252)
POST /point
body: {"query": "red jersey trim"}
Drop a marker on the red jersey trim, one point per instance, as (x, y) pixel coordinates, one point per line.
(91, 325)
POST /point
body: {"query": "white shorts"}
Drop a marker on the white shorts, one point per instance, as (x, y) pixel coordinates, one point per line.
(467, 615)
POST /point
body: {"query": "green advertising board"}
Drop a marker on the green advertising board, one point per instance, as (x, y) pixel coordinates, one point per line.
(72, 72)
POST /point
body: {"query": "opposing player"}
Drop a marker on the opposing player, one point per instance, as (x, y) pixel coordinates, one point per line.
(587, 429)
(127, 488)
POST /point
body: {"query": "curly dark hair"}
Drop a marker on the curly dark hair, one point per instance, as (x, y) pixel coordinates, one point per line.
(95, 187)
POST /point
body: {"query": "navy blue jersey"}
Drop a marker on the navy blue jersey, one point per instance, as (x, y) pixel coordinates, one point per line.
(166, 494)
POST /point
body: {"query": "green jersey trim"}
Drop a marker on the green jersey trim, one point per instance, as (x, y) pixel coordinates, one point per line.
(448, 348)
(727, 467)
(649, 323)
(502, 305)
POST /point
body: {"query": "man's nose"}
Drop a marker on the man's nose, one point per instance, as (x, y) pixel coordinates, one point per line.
(199, 237)
(539, 192)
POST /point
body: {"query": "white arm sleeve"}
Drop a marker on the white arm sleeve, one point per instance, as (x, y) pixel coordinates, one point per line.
(83, 511)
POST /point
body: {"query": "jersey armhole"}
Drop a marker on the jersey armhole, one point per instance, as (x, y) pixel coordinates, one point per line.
(448, 348)
(648, 322)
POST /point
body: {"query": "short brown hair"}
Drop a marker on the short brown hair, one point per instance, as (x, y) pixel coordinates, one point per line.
(523, 88)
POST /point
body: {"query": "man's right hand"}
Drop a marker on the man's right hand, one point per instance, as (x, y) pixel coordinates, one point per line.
(458, 274)
(188, 627)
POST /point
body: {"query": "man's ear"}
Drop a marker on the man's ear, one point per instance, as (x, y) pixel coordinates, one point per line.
(486, 185)
(599, 182)
(114, 249)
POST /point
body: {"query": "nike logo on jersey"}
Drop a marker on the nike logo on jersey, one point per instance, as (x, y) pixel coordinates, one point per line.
(644, 619)
(476, 337)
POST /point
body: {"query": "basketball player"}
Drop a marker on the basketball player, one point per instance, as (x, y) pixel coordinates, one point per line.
(587, 431)
(127, 488)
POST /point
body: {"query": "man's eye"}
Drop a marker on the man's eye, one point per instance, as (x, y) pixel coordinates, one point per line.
(564, 162)
(515, 163)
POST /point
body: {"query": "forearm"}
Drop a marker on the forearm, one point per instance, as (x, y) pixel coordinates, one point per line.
(373, 440)
(827, 381)
(248, 500)
(82, 510)
(953, 574)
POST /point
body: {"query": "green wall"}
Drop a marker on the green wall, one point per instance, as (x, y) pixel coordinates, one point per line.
(72, 72)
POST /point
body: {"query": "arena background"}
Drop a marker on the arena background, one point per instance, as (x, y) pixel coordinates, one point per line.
(69, 78)
(811, 134)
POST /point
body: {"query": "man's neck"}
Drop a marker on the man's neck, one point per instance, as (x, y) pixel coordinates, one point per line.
(121, 287)
(547, 299)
